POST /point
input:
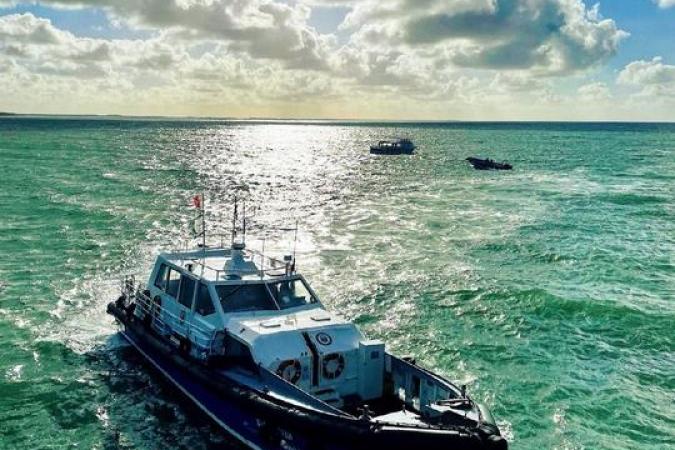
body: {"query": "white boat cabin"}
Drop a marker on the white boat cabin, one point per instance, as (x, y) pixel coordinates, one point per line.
(239, 307)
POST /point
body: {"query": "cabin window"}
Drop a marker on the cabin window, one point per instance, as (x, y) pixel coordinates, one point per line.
(173, 281)
(187, 291)
(245, 297)
(290, 294)
(416, 384)
(204, 305)
(160, 280)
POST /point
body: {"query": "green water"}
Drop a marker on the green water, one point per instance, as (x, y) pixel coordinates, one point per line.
(549, 290)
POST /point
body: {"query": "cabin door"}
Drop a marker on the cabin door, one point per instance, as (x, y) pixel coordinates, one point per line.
(186, 296)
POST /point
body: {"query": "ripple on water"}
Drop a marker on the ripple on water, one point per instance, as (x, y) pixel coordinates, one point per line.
(548, 290)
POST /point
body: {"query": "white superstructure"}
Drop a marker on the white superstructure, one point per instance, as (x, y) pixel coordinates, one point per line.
(220, 303)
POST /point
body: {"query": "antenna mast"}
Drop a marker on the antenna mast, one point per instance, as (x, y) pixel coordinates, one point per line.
(234, 221)
(243, 222)
(198, 202)
(203, 212)
(295, 243)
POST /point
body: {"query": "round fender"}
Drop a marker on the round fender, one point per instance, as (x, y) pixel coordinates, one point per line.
(333, 366)
(290, 370)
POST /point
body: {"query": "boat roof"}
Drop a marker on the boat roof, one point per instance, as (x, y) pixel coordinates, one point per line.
(228, 265)
(312, 316)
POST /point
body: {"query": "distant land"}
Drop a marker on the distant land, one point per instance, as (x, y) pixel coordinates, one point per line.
(308, 120)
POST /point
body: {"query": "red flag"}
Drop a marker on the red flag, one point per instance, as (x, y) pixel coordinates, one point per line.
(197, 201)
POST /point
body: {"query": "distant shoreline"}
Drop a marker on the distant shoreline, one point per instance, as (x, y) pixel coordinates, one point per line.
(121, 117)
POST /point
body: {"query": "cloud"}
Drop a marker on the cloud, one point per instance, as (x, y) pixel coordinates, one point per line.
(259, 57)
(654, 81)
(552, 37)
(51, 70)
(37, 45)
(26, 28)
(265, 29)
(665, 3)
(549, 36)
(644, 73)
(595, 92)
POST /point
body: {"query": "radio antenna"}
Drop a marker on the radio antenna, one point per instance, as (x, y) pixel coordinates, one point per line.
(243, 222)
(295, 241)
(234, 221)
(203, 211)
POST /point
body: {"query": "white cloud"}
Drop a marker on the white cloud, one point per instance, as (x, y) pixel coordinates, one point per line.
(265, 29)
(36, 45)
(665, 3)
(26, 28)
(654, 81)
(52, 70)
(548, 36)
(595, 92)
(643, 73)
(441, 58)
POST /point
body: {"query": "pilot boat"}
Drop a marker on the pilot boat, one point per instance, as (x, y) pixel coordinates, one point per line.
(248, 341)
(395, 147)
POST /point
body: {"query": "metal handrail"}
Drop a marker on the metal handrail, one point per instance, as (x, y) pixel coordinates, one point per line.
(148, 303)
(276, 264)
(158, 312)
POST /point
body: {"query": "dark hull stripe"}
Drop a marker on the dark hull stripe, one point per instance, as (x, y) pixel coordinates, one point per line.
(201, 399)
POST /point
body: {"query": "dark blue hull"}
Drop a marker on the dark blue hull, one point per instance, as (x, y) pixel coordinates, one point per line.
(243, 425)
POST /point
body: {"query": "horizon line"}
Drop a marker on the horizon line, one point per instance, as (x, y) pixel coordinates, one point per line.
(8, 114)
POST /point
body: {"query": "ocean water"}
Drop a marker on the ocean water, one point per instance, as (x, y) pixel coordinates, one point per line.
(549, 290)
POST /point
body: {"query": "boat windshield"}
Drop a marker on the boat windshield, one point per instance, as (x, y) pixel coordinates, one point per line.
(291, 293)
(256, 296)
(245, 297)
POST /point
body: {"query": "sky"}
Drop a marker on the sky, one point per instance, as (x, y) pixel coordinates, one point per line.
(341, 59)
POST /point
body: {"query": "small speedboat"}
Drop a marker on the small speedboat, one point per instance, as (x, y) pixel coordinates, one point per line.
(488, 164)
(247, 339)
(395, 147)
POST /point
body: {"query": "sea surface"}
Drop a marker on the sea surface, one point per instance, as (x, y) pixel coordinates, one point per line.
(549, 290)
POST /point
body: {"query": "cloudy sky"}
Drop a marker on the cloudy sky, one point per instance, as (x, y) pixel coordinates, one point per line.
(362, 59)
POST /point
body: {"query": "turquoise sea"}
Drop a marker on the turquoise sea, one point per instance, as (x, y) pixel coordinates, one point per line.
(549, 290)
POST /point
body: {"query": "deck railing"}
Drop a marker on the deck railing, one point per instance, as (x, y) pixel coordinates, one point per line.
(269, 266)
(164, 321)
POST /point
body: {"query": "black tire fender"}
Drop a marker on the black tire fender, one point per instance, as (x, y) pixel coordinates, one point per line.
(297, 370)
(327, 372)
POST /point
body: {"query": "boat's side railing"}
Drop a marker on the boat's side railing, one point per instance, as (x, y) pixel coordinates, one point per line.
(164, 320)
